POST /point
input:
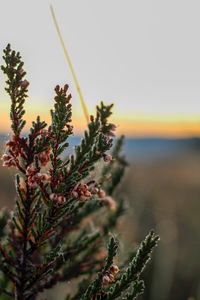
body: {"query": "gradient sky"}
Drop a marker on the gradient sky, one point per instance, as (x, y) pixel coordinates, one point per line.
(142, 55)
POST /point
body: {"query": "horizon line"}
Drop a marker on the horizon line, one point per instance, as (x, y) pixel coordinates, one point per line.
(136, 136)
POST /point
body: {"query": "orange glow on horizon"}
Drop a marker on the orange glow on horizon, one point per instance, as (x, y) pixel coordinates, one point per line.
(130, 124)
(131, 127)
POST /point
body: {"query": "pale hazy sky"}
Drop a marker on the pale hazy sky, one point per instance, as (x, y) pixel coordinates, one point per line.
(142, 55)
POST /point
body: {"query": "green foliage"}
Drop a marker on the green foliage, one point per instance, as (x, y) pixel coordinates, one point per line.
(135, 268)
(115, 170)
(16, 87)
(112, 251)
(137, 289)
(56, 232)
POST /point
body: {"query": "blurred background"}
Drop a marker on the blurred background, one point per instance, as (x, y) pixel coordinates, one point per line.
(144, 57)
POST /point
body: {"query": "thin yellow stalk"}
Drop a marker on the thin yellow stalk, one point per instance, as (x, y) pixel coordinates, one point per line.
(85, 111)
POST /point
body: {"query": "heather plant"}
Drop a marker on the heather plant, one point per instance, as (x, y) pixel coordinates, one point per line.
(66, 209)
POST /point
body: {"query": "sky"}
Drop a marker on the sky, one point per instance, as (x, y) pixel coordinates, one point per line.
(141, 55)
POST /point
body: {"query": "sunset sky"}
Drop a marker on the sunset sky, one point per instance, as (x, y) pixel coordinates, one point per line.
(142, 55)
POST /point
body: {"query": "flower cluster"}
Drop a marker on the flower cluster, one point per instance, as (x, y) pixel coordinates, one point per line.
(58, 199)
(49, 238)
(16, 150)
(44, 157)
(107, 200)
(8, 161)
(81, 192)
(35, 178)
(92, 188)
(14, 145)
(108, 276)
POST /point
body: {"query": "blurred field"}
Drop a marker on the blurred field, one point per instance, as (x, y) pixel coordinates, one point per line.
(163, 194)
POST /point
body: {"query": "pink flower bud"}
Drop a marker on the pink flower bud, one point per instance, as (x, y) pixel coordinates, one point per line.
(21, 71)
(24, 84)
(112, 279)
(44, 177)
(106, 279)
(101, 194)
(82, 198)
(31, 170)
(74, 194)
(114, 269)
(87, 194)
(8, 161)
(61, 199)
(83, 187)
(107, 158)
(94, 190)
(6, 157)
(53, 197)
(33, 182)
(44, 157)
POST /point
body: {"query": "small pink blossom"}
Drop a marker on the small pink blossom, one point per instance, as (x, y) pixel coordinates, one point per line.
(31, 170)
(34, 177)
(107, 158)
(82, 192)
(53, 197)
(61, 199)
(74, 194)
(114, 269)
(24, 84)
(43, 177)
(94, 190)
(101, 193)
(44, 157)
(82, 198)
(106, 279)
(58, 199)
(21, 71)
(8, 161)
